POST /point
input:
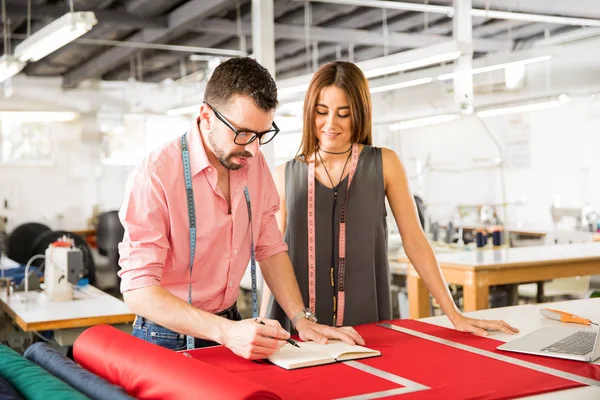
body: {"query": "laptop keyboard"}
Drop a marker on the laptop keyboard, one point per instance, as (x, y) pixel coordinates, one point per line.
(579, 343)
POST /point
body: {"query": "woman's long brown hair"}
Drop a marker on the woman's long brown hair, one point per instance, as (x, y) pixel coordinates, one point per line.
(348, 77)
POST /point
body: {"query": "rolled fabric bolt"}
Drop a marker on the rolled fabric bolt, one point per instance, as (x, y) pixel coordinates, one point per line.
(70, 372)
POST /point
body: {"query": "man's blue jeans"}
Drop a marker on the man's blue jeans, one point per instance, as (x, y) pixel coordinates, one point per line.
(154, 333)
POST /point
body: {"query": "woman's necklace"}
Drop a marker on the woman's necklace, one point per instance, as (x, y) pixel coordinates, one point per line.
(333, 152)
(335, 187)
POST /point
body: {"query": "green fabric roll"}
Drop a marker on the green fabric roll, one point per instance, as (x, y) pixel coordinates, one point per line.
(32, 381)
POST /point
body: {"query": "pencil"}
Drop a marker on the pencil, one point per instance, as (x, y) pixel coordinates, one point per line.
(290, 341)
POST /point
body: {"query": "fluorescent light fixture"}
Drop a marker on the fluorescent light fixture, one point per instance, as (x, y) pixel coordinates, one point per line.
(188, 110)
(395, 65)
(497, 67)
(9, 67)
(418, 122)
(293, 89)
(404, 61)
(39, 116)
(55, 35)
(519, 108)
(400, 85)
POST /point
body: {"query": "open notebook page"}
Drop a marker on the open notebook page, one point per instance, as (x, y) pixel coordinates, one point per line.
(311, 353)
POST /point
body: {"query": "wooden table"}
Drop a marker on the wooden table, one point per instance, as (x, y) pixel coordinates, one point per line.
(528, 318)
(90, 307)
(477, 270)
(528, 232)
(88, 234)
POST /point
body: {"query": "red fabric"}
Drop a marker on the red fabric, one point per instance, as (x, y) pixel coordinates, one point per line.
(449, 372)
(323, 382)
(584, 369)
(453, 373)
(148, 371)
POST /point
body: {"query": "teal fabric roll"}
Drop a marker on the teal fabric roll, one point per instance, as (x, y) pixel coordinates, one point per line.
(32, 381)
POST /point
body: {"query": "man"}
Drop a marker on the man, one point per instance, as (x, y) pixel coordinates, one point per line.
(172, 299)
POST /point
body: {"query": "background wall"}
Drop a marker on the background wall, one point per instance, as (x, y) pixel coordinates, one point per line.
(63, 192)
(549, 155)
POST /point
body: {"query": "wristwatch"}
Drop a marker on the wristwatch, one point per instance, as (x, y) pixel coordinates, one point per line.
(304, 313)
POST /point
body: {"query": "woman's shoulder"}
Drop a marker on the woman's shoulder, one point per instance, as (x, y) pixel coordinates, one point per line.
(374, 151)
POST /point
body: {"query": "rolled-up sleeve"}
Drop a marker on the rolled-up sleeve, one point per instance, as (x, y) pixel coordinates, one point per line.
(144, 215)
(270, 240)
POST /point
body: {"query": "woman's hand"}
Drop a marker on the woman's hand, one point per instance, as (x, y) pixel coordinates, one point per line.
(481, 327)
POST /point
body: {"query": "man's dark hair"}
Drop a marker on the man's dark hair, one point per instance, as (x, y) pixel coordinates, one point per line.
(241, 76)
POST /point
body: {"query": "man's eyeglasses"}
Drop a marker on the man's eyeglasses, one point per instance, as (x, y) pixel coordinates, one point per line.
(243, 138)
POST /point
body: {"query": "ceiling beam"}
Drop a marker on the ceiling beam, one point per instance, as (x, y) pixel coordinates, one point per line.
(120, 17)
(486, 13)
(343, 35)
(167, 63)
(402, 24)
(179, 21)
(497, 26)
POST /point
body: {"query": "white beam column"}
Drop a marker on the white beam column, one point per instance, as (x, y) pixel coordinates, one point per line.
(463, 79)
(263, 45)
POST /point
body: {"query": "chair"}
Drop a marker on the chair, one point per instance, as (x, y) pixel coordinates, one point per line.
(109, 233)
(21, 239)
(574, 287)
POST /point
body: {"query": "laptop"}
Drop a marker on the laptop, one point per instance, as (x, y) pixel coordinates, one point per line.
(581, 343)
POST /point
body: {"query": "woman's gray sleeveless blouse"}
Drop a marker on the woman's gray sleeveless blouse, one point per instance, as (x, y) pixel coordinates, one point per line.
(367, 276)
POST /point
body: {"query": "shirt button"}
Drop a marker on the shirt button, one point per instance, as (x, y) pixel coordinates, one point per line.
(234, 252)
(210, 170)
(229, 284)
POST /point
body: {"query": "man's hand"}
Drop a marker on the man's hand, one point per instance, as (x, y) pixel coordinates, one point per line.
(251, 340)
(481, 326)
(309, 330)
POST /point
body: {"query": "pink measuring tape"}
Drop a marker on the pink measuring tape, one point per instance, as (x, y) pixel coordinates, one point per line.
(312, 281)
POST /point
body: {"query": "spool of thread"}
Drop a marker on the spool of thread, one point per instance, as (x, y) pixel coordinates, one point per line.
(481, 238)
(497, 237)
(435, 231)
(449, 232)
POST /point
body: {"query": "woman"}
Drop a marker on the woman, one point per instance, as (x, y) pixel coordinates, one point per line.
(320, 216)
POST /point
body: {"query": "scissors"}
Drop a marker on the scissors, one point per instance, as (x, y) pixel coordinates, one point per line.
(565, 317)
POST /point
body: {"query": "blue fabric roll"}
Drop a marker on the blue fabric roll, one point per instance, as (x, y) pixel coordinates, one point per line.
(72, 373)
(7, 392)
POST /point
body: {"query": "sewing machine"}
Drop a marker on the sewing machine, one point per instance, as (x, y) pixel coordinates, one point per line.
(64, 268)
(585, 217)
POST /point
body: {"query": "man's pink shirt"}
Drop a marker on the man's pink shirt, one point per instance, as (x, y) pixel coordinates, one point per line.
(156, 246)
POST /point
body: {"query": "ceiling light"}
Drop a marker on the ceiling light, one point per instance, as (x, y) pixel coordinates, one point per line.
(400, 85)
(9, 67)
(38, 116)
(418, 122)
(293, 89)
(392, 64)
(55, 35)
(404, 61)
(188, 110)
(519, 108)
(496, 67)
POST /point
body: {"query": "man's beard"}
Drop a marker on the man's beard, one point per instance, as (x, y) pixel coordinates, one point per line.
(226, 160)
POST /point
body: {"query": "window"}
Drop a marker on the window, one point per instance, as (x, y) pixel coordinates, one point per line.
(25, 141)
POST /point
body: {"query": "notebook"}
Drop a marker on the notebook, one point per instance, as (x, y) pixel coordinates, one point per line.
(310, 354)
